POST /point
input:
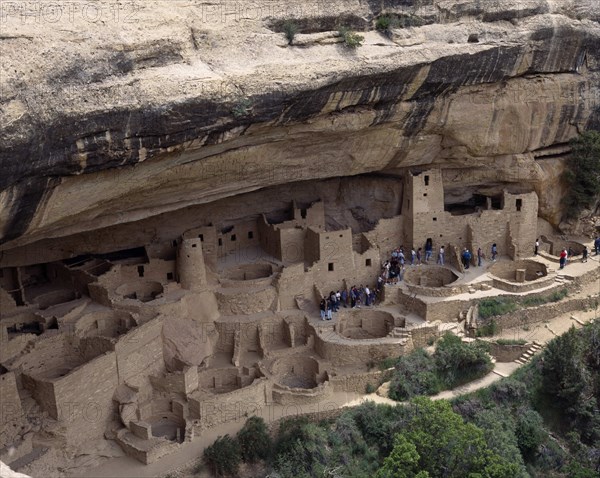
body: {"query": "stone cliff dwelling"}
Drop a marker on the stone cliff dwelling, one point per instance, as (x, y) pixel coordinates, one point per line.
(150, 346)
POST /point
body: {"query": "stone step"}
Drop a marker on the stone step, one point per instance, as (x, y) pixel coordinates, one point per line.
(519, 361)
(577, 320)
(497, 372)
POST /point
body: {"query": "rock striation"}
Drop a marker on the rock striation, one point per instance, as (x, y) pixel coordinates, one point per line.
(119, 115)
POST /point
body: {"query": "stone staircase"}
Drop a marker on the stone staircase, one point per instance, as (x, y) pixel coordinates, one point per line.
(562, 278)
(400, 333)
(533, 349)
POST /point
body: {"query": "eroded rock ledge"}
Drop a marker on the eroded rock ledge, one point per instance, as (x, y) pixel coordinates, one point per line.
(176, 105)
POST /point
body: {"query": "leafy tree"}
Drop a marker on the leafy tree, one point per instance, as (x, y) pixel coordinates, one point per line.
(449, 447)
(254, 439)
(562, 376)
(415, 374)
(403, 462)
(529, 432)
(302, 449)
(223, 456)
(582, 175)
(458, 362)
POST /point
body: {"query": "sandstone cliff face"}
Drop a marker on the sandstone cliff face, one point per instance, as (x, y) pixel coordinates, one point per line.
(118, 113)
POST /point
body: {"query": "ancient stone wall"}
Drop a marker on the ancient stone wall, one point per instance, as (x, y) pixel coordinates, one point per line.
(139, 353)
(84, 398)
(233, 239)
(10, 406)
(211, 410)
(340, 351)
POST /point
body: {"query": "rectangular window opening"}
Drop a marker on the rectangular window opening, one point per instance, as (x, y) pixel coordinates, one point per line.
(250, 235)
(140, 270)
(435, 218)
(201, 237)
(220, 241)
(233, 238)
(368, 262)
(426, 180)
(169, 276)
(519, 204)
(330, 266)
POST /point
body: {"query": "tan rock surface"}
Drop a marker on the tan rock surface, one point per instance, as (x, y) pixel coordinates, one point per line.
(164, 105)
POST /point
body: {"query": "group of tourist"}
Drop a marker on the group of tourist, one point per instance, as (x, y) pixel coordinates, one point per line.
(393, 269)
(353, 297)
(566, 254)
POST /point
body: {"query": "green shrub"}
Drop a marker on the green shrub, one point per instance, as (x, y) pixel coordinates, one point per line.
(386, 22)
(388, 363)
(242, 108)
(302, 449)
(415, 374)
(529, 431)
(533, 301)
(290, 28)
(254, 439)
(370, 388)
(488, 329)
(458, 362)
(511, 341)
(223, 456)
(496, 306)
(558, 295)
(351, 39)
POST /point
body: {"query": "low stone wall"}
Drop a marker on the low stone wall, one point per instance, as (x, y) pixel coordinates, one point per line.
(445, 291)
(541, 313)
(430, 276)
(506, 353)
(506, 271)
(423, 334)
(341, 351)
(301, 396)
(522, 286)
(357, 382)
(246, 302)
(211, 410)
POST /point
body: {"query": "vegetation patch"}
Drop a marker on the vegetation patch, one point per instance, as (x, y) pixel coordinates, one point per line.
(452, 364)
(290, 28)
(540, 422)
(224, 456)
(496, 306)
(388, 21)
(511, 341)
(351, 39)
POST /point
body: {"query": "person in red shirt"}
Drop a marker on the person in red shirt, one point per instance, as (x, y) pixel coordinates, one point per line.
(563, 258)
